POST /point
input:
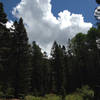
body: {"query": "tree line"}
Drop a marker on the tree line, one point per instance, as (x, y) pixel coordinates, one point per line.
(25, 70)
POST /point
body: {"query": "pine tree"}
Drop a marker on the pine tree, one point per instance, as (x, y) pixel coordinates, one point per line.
(37, 69)
(3, 16)
(22, 60)
(46, 73)
(58, 69)
(80, 49)
(5, 49)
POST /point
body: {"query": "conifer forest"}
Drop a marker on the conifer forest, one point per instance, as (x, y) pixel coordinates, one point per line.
(28, 73)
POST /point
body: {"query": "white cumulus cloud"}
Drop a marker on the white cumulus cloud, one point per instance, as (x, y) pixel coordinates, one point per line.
(42, 26)
(9, 24)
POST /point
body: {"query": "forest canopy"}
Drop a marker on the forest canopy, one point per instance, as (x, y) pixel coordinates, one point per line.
(25, 70)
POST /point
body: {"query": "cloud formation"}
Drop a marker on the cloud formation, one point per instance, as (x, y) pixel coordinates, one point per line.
(9, 24)
(42, 26)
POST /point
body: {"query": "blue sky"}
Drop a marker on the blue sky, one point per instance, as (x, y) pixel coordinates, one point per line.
(84, 7)
(8, 6)
(45, 25)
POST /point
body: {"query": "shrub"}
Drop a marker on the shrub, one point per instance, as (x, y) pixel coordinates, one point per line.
(47, 97)
(85, 93)
(29, 97)
(74, 96)
(52, 97)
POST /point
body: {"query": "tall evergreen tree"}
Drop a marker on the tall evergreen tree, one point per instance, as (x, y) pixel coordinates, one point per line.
(58, 69)
(22, 63)
(3, 16)
(37, 70)
(5, 49)
(40, 71)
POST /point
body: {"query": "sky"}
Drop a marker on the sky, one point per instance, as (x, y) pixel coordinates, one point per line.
(50, 20)
(84, 7)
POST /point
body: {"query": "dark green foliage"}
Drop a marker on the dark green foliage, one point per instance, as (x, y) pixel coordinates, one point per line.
(85, 93)
(22, 59)
(98, 1)
(3, 16)
(25, 70)
(40, 71)
(36, 69)
(5, 49)
(58, 69)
